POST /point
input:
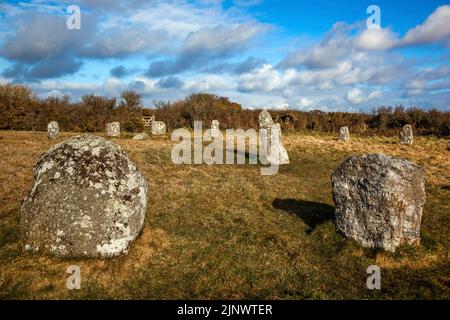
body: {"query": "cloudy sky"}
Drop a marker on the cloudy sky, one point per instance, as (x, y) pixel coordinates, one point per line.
(260, 53)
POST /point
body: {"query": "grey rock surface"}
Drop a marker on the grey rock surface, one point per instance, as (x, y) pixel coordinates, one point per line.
(379, 200)
(88, 200)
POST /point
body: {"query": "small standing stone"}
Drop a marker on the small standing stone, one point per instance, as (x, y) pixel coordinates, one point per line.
(215, 129)
(379, 200)
(344, 134)
(53, 130)
(113, 129)
(158, 128)
(406, 135)
(141, 136)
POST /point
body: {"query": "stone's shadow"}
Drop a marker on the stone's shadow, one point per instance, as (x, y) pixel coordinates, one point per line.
(446, 187)
(312, 213)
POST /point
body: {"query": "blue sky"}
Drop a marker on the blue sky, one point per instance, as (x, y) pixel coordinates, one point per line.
(261, 53)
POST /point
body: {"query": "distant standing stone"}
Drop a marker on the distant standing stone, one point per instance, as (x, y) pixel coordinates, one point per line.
(406, 135)
(53, 130)
(141, 136)
(270, 135)
(344, 134)
(88, 200)
(379, 200)
(265, 119)
(215, 128)
(158, 128)
(113, 129)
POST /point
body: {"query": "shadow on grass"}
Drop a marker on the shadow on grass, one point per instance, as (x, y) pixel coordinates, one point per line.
(312, 213)
(446, 187)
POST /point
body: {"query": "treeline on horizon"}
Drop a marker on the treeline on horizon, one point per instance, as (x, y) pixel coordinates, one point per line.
(21, 109)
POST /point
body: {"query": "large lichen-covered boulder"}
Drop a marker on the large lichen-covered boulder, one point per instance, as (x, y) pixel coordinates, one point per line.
(379, 200)
(88, 200)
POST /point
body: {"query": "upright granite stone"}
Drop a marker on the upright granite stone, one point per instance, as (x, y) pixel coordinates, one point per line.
(270, 135)
(88, 200)
(53, 130)
(344, 134)
(141, 136)
(158, 128)
(379, 200)
(113, 129)
(406, 135)
(215, 129)
(265, 120)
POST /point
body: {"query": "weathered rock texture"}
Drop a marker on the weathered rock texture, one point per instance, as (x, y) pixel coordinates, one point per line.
(158, 128)
(379, 200)
(215, 129)
(406, 135)
(88, 200)
(141, 136)
(113, 129)
(270, 135)
(53, 130)
(344, 134)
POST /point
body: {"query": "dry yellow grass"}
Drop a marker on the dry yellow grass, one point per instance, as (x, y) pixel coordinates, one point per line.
(228, 232)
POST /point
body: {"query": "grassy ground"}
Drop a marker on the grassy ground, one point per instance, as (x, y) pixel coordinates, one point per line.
(228, 232)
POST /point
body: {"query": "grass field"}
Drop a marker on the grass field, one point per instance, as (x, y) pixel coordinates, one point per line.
(227, 232)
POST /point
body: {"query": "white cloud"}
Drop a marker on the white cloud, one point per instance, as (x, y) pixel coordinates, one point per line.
(376, 39)
(435, 29)
(356, 96)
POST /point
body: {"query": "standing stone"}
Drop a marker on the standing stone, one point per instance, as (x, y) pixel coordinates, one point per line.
(406, 135)
(215, 129)
(379, 200)
(53, 130)
(158, 128)
(270, 135)
(113, 129)
(344, 134)
(265, 120)
(88, 200)
(141, 136)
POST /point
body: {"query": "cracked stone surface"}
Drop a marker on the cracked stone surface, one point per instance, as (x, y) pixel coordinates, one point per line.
(379, 200)
(88, 200)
